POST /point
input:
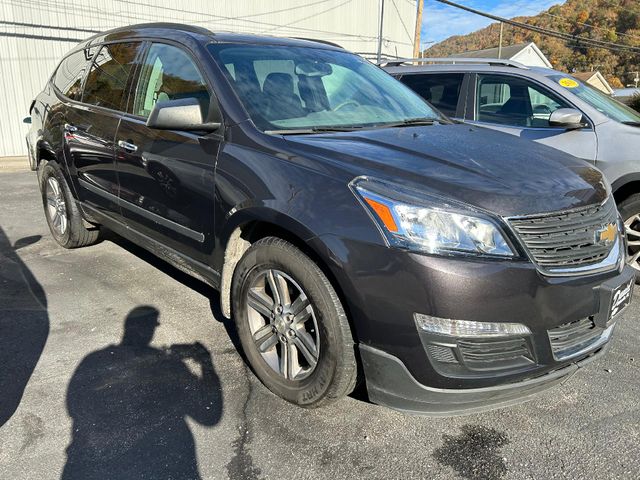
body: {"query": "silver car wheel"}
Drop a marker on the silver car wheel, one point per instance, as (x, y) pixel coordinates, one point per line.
(283, 324)
(632, 230)
(56, 206)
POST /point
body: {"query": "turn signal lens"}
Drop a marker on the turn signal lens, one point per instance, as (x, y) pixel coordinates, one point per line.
(384, 213)
(466, 328)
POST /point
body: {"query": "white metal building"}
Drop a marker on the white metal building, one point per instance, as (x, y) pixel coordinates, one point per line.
(35, 34)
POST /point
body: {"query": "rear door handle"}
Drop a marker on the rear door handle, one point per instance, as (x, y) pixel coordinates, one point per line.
(130, 147)
(70, 128)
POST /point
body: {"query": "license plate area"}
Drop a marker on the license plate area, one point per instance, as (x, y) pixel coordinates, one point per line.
(614, 299)
(621, 298)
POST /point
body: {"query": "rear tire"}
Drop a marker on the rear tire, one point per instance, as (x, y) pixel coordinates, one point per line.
(630, 211)
(302, 315)
(61, 211)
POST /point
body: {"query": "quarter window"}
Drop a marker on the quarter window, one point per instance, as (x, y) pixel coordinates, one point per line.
(169, 73)
(106, 83)
(514, 101)
(441, 91)
(69, 75)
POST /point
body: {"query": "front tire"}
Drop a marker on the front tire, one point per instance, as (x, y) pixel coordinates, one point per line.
(293, 329)
(60, 209)
(630, 212)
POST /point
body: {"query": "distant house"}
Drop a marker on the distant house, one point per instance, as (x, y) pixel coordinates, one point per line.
(595, 79)
(526, 53)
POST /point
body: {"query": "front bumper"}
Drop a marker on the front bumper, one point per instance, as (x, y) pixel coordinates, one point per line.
(384, 288)
(390, 384)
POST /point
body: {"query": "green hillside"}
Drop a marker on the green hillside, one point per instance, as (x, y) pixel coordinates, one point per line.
(611, 20)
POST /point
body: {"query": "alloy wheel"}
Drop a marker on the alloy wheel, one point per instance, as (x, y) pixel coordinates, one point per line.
(56, 206)
(283, 324)
(632, 230)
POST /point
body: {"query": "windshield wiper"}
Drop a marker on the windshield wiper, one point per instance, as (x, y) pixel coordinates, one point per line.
(411, 122)
(633, 124)
(307, 131)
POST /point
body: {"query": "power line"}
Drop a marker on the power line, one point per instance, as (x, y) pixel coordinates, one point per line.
(401, 20)
(308, 17)
(552, 33)
(51, 27)
(39, 37)
(306, 5)
(594, 27)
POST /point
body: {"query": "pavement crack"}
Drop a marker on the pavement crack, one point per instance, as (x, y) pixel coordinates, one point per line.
(241, 464)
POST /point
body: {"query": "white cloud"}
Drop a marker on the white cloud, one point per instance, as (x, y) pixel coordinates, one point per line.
(441, 21)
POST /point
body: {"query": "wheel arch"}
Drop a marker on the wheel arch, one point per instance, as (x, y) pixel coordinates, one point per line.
(626, 186)
(250, 226)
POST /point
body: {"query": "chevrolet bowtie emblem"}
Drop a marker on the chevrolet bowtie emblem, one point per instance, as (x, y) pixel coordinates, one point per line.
(606, 235)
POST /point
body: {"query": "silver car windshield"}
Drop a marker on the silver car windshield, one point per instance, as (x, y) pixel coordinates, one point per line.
(289, 89)
(598, 100)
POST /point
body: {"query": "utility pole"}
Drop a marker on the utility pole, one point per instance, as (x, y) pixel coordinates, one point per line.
(417, 51)
(380, 33)
(500, 44)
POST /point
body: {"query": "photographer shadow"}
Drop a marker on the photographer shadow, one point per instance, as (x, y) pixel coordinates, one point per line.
(24, 324)
(129, 404)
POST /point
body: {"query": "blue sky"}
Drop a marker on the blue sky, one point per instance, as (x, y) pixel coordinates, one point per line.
(440, 21)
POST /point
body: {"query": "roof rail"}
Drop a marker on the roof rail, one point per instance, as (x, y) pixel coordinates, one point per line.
(316, 40)
(453, 61)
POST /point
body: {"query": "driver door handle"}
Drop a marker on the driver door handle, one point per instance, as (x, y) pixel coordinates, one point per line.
(130, 147)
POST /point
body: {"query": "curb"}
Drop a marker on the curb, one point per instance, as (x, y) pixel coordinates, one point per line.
(14, 164)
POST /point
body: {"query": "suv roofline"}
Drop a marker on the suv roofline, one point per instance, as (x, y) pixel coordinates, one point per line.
(453, 60)
(198, 32)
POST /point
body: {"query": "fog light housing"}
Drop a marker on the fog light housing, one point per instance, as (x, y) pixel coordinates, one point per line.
(467, 328)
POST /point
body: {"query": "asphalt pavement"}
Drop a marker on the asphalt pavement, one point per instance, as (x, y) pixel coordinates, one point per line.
(111, 360)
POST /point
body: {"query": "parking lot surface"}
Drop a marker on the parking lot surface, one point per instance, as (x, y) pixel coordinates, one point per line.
(111, 359)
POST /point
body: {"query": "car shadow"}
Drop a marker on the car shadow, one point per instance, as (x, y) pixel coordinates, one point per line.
(129, 403)
(24, 324)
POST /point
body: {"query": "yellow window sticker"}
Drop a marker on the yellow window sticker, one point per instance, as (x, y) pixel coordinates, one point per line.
(568, 83)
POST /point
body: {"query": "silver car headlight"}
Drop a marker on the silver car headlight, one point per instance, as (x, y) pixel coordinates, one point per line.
(429, 224)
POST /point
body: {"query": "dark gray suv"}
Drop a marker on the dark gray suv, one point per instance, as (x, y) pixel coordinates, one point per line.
(352, 230)
(545, 106)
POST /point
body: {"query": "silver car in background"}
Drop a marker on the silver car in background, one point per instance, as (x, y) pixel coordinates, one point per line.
(543, 105)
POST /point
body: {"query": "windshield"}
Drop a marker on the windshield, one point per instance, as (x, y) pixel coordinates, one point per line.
(301, 88)
(598, 100)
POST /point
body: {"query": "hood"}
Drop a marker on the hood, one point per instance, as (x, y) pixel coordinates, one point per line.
(481, 167)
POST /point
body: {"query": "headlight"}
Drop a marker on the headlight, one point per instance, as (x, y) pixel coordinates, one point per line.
(429, 224)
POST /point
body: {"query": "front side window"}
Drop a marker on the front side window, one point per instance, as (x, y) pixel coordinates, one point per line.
(301, 88)
(514, 101)
(69, 75)
(598, 100)
(440, 90)
(106, 83)
(168, 73)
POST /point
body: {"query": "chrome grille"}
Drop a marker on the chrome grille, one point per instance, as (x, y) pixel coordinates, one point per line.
(566, 239)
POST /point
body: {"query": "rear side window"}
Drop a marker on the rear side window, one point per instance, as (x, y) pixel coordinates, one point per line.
(441, 91)
(107, 80)
(169, 73)
(68, 77)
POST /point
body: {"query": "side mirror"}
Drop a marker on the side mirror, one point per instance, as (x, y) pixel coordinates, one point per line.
(180, 114)
(27, 120)
(568, 118)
